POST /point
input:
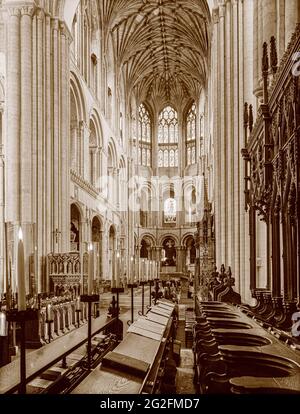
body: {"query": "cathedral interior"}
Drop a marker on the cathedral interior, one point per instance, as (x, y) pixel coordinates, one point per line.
(149, 196)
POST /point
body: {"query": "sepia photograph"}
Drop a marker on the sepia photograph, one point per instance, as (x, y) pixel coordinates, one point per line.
(149, 201)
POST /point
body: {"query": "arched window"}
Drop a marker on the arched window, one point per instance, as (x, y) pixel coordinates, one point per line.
(191, 135)
(144, 136)
(168, 138)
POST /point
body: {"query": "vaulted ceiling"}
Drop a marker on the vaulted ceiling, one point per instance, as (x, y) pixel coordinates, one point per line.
(161, 46)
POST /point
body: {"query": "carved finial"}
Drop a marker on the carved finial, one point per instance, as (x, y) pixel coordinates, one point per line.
(245, 114)
(273, 55)
(277, 205)
(250, 118)
(292, 203)
(265, 72)
(265, 59)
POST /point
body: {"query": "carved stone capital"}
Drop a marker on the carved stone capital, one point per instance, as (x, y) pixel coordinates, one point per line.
(215, 15)
(14, 11)
(222, 10)
(27, 10)
(40, 14)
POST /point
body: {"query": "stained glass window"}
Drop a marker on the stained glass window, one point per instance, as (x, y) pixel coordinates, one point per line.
(160, 158)
(148, 161)
(191, 135)
(166, 158)
(168, 137)
(144, 136)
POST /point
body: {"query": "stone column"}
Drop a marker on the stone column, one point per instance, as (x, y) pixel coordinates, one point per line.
(222, 136)
(256, 45)
(85, 149)
(65, 139)
(40, 143)
(246, 84)
(216, 128)
(116, 176)
(26, 114)
(292, 17)
(55, 133)
(110, 185)
(74, 146)
(180, 258)
(260, 40)
(48, 136)
(237, 165)
(280, 35)
(269, 19)
(228, 137)
(13, 114)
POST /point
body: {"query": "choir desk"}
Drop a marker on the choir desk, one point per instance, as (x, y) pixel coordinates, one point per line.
(40, 359)
(146, 342)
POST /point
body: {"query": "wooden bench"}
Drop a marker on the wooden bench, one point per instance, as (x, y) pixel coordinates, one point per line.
(240, 356)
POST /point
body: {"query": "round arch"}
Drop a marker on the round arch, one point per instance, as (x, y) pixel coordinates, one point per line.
(77, 90)
(185, 239)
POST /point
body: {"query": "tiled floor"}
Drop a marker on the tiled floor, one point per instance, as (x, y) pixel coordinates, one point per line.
(185, 373)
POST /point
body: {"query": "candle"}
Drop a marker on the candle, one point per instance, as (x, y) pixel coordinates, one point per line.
(21, 274)
(118, 270)
(147, 270)
(143, 270)
(49, 316)
(81, 272)
(132, 270)
(91, 269)
(3, 324)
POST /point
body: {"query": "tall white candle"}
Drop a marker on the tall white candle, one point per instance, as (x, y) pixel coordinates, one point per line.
(49, 314)
(132, 270)
(142, 270)
(3, 324)
(147, 270)
(91, 269)
(21, 274)
(118, 270)
(81, 273)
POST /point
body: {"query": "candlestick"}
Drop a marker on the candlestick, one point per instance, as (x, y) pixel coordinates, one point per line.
(91, 269)
(21, 274)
